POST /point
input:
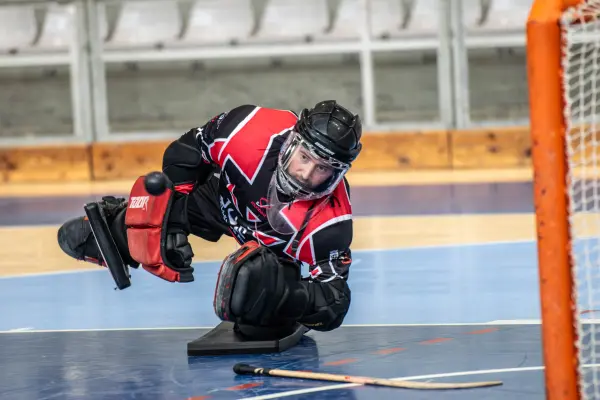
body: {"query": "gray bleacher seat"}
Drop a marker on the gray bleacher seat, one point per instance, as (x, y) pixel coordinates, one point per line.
(146, 23)
(472, 13)
(293, 20)
(57, 29)
(386, 17)
(504, 25)
(220, 22)
(506, 16)
(424, 18)
(18, 27)
(345, 25)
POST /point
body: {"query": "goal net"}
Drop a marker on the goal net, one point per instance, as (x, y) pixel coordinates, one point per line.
(580, 31)
(563, 56)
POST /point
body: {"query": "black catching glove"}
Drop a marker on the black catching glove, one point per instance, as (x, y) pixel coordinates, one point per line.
(255, 287)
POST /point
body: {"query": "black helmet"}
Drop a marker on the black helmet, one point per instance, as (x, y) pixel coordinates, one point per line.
(327, 136)
(332, 129)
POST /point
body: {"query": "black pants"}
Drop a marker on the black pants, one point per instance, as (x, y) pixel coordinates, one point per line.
(204, 212)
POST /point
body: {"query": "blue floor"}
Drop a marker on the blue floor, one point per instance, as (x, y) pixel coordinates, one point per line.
(466, 284)
(480, 285)
(153, 364)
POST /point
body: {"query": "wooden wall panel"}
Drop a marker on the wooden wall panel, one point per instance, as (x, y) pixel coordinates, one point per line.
(404, 150)
(394, 151)
(126, 160)
(491, 148)
(45, 164)
(381, 151)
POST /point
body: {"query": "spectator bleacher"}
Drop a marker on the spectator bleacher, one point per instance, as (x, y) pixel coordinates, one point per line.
(205, 31)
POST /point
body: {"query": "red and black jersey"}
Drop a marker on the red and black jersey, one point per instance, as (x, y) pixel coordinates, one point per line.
(242, 146)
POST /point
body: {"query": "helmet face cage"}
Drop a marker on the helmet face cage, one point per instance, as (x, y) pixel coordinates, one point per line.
(290, 186)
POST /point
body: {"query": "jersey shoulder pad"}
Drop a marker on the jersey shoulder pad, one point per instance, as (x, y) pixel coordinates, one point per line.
(246, 141)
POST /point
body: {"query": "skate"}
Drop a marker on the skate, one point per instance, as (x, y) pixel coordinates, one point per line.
(76, 239)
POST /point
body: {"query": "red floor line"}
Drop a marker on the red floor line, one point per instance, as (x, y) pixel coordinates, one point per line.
(481, 331)
(244, 386)
(392, 350)
(341, 362)
(436, 340)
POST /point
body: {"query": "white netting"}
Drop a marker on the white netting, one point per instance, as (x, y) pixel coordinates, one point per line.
(581, 79)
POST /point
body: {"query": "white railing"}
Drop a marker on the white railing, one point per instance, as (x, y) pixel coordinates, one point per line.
(461, 25)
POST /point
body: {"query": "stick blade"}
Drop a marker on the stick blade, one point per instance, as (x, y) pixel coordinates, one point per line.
(443, 386)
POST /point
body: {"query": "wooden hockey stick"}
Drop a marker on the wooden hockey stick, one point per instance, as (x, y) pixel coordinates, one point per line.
(245, 369)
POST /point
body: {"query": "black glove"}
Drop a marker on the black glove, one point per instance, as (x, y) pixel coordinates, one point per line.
(257, 288)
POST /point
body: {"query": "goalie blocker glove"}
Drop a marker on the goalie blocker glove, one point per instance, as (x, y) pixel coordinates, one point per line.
(157, 233)
(158, 226)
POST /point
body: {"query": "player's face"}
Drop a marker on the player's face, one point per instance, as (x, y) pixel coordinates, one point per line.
(307, 169)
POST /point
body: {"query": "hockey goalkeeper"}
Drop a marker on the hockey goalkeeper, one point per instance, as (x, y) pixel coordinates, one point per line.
(272, 180)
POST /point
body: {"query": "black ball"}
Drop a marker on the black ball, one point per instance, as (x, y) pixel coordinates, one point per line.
(156, 183)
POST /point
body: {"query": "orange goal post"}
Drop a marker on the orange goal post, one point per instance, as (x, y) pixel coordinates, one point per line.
(563, 66)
